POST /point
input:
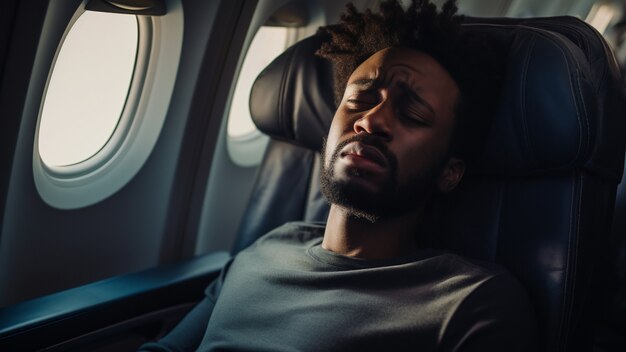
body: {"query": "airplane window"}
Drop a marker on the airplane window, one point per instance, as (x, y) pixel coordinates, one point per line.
(106, 100)
(267, 44)
(245, 143)
(88, 87)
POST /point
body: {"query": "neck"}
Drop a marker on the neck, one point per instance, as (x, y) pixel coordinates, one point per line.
(386, 238)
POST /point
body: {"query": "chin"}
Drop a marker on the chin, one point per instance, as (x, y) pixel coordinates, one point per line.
(362, 200)
(370, 202)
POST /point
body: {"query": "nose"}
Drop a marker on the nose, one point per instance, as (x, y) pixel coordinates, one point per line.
(377, 121)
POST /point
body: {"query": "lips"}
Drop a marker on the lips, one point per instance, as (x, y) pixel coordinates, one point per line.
(365, 151)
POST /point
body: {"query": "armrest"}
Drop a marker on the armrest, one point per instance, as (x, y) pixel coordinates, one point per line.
(52, 319)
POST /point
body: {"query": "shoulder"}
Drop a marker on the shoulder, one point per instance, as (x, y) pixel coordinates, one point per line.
(480, 282)
(463, 274)
(492, 279)
(493, 310)
(292, 233)
(287, 241)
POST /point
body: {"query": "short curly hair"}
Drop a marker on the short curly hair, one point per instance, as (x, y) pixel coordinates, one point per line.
(471, 61)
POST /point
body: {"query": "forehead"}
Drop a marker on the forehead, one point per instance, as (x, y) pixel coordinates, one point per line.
(408, 65)
(403, 58)
(414, 69)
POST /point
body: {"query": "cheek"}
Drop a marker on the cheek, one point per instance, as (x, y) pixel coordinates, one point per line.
(420, 156)
(331, 140)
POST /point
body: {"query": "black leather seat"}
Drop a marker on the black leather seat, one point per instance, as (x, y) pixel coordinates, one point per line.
(541, 200)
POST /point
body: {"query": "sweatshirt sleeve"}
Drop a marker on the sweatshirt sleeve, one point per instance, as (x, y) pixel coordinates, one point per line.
(187, 335)
(497, 316)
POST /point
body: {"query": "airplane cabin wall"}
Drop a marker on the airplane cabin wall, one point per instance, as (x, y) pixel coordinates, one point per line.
(44, 249)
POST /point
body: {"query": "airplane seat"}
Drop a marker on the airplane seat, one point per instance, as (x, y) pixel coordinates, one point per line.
(540, 199)
(290, 101)
(546, 184)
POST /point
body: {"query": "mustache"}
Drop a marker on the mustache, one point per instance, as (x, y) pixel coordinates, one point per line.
(370, 140)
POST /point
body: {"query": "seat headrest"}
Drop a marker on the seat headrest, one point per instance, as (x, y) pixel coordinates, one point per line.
(292, 99)
(560, 98)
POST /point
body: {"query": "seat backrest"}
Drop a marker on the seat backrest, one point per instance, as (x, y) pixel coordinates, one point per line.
(540, 200)
(292, 101)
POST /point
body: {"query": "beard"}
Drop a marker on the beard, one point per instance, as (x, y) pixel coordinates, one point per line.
(392, 198)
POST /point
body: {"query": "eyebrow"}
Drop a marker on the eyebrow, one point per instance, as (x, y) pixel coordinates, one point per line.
(369, 83)
(365, 83)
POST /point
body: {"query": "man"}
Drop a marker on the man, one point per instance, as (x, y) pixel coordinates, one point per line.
(361, 283)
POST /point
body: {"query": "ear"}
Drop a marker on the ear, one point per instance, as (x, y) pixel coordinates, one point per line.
(451, 175)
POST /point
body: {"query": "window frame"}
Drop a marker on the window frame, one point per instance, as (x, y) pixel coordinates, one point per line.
(143, 115)
(125, 120)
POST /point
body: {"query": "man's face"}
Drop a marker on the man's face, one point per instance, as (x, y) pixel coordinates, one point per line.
(387, 146)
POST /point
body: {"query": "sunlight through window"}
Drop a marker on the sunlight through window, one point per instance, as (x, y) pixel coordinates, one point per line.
(88, 87)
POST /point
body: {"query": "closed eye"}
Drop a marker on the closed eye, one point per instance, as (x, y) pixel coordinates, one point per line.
(414, 113)
(415, 119)
(358, 104)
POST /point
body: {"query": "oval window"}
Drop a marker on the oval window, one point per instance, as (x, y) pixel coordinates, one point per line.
(88, 87)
